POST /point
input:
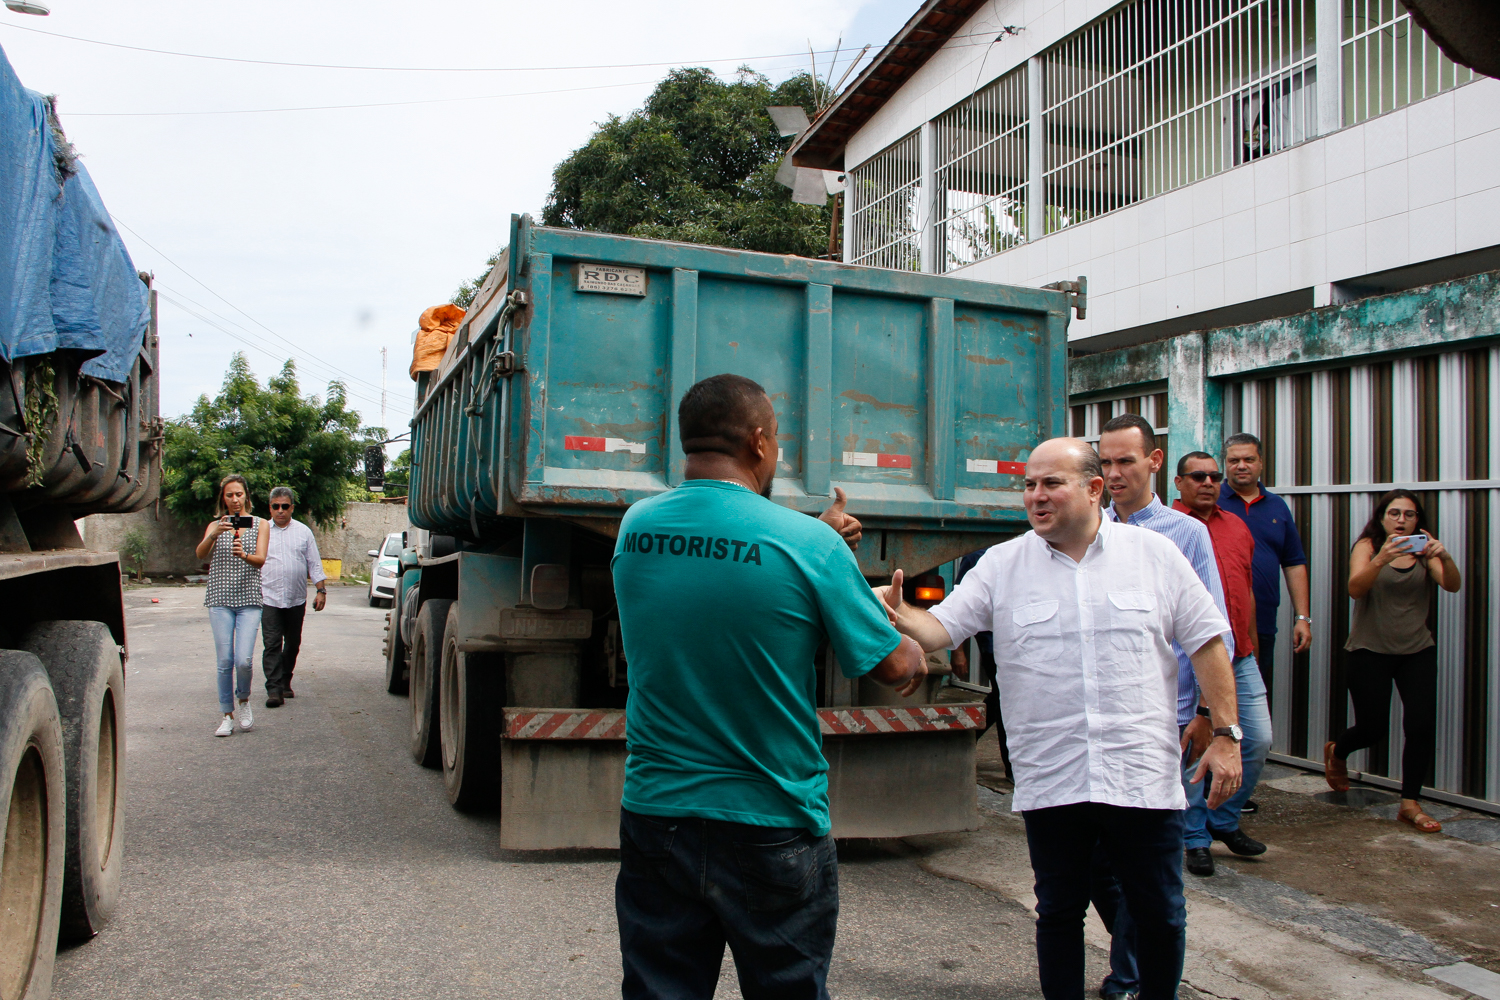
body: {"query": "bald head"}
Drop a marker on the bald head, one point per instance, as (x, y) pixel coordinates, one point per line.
(1063, 486)
(1074, 453)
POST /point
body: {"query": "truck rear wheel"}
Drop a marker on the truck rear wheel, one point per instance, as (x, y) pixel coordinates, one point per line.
(426, 666)
(395, 654)
(33, 788)
(468, 700)
(88, 680)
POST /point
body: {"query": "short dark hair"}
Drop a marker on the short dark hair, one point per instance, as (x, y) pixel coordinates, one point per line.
(1185, 459)
(720, 413)
(1244, 438)
(1125, 421)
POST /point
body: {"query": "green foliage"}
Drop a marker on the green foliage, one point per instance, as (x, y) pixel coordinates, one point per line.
(697, 164)
(271, 435)
(134, 550)
(398, 475)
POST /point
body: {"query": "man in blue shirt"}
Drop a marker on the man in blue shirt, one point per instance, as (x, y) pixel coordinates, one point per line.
(725, 598)
(1278, 549)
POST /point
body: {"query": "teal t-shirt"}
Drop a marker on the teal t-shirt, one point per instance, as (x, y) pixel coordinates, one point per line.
(724, 599)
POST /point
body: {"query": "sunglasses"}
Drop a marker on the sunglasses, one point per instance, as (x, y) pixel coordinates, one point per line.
(1201, 476)
(281, 506)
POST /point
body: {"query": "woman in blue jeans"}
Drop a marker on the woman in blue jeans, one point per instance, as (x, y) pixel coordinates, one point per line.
(233, 597)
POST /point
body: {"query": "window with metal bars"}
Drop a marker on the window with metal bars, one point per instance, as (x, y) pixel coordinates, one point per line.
(885, 223)
(1389, 61)
(1160, 94)
(981, 173)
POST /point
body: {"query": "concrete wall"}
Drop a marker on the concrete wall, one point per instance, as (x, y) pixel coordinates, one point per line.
(362, 527)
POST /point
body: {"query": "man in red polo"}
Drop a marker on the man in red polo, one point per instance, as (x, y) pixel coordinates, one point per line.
(1197, 482)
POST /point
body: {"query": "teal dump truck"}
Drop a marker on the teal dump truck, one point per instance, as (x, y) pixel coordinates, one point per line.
(554, 409)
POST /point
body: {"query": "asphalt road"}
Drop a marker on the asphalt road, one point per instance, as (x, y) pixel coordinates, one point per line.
(312, 857)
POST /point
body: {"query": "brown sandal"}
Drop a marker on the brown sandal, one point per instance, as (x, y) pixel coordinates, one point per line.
(1420, 821)
(1335, 770)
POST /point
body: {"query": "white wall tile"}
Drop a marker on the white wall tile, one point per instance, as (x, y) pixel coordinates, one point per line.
(1127, 268)
(1101, 235)
(1431, 232)
(1179, 252)
(1477, 218)
(1307, 215)
(1386, 191)
(1346, 252)
(1127, 307)
(1178, 208)
(1272, 271)
(1179, 295)
(1343, 154)
(1307, 262)
(1101, 274)
(1153, 306)
(1238, 190)
(1476, 108)
(1305, 167)
(1208, 287)
(1208, 199)
(1127, 227)
(1385, 139)
(1152, 218)
(1272, 223)
(1345, 201)
(1476, 163)
(1208, 243)
(1272, 181)
(1430, 178)
(1239, 279)
(1430, 124)
(1239, 234)
(1386, 243)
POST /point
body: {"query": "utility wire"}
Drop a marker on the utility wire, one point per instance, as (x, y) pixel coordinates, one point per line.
(236, 308)
(403, 69)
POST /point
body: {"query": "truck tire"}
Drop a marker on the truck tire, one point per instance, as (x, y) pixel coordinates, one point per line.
(88, 680)
(32, 857)
(426, 666)
(469, 711)
(395, 655)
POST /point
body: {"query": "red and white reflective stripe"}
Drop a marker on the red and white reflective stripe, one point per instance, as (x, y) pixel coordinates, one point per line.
(921, 719)
(993, 467)
(877, 460)
(574, 443)
(542, 724)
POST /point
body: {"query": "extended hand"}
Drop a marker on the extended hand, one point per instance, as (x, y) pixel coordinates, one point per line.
(890, 597)
(845, 524)
(1199, 734)
(1223, 759)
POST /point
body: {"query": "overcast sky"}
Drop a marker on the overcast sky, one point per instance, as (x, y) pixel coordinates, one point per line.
(336, 228)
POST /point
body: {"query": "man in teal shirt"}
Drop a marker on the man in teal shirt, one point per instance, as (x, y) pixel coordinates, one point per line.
(724, 600)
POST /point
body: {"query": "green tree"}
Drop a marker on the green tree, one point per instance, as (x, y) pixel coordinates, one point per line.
(273, 436)
(398, 474)
(696, 164)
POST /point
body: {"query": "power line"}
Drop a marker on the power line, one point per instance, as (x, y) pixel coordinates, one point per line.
(404, 69)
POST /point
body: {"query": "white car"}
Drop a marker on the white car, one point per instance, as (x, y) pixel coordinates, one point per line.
(383, 571)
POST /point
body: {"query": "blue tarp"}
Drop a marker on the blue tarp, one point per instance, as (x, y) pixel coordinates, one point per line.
(66, 280)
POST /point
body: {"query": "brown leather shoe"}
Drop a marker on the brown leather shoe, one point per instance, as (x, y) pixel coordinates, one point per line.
(1335, 770)
(288, 693)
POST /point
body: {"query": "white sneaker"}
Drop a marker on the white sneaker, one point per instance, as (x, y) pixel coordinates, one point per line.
(247, 718)
(226, 726)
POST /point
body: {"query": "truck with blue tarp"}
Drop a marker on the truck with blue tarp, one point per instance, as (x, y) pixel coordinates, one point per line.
(554, 408)
(80, 433)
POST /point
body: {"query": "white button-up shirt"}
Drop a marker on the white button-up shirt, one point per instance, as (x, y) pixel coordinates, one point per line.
(291, 560)
(1084, 661)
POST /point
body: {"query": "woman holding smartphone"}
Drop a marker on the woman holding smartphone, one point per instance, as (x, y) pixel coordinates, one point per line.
(1389, 641)
(238, 542)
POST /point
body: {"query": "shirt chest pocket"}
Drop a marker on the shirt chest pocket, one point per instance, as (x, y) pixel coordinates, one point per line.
(1036, 625)
(1132, 620)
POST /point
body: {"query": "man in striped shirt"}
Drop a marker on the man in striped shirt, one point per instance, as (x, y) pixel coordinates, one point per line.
(1131, 459)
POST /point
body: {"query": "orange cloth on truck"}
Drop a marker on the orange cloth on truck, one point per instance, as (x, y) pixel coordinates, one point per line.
(437, 327)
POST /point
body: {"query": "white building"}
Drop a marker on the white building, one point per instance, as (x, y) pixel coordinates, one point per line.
(1288, 215)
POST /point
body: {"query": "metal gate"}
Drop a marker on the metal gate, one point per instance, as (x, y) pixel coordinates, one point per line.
(1335, 440)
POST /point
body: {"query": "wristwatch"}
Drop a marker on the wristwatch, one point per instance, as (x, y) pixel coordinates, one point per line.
(1302, 618)
(1203, 711)
(1234, 732)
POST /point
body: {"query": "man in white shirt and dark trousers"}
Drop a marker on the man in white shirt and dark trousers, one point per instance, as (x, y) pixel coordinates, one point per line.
(1084, 612)
(291, 560)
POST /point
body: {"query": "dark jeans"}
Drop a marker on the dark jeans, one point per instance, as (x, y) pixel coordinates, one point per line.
(1267, 660)
(1109, 902)
(281, 633)
(1370, 676)
(687, 886)
(1143, 848)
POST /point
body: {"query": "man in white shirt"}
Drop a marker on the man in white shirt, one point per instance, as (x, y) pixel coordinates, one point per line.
(291, 560)
(1084, 612)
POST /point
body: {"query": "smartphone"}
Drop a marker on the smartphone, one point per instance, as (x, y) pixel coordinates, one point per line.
(1416, 544)
(241, 521)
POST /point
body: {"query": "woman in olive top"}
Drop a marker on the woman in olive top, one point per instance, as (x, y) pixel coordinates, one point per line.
(1389, 640)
